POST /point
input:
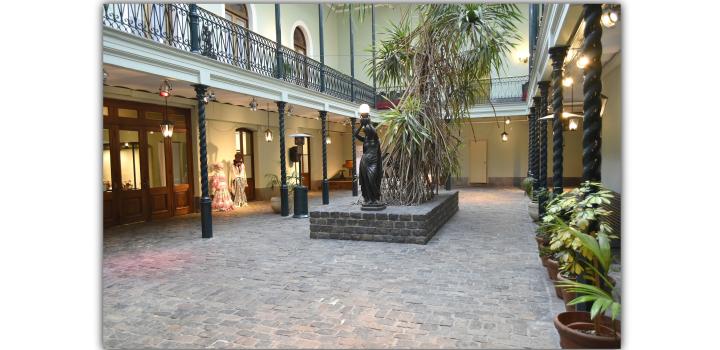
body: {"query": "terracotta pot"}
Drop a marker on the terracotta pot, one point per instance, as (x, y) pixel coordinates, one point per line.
(544, 260)
(569, 324)
(540, 242)
(552, 268)
(566, 296)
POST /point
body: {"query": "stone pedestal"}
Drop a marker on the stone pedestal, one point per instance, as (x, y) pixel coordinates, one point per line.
(400, 224)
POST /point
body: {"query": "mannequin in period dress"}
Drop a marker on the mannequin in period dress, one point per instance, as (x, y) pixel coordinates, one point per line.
(221, 199)
(239, 181)
(370, 165)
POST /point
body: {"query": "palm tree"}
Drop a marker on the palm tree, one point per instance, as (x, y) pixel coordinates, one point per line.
(443, 61)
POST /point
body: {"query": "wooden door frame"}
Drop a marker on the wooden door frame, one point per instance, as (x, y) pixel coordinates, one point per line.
(252, 157)
(143, 125)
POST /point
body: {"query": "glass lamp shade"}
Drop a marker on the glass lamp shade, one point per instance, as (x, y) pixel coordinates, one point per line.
(567, 81)
(166, 128)
(582, 62)
(507, 121)
(364, 109)
(572, 124)
(504, 136)
(328, 140)
(268, 135)
(165, 89)
(610, 17)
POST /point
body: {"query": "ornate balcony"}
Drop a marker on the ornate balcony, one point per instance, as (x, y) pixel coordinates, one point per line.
(191, 28)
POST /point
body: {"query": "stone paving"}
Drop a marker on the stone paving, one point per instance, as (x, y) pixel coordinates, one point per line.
(261, 282)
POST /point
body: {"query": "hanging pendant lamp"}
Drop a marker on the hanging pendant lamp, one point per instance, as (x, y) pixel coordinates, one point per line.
(166, 126)
(268, 132)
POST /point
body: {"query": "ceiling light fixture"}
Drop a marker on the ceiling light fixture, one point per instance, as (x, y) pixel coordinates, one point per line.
(610, 15)
(253, 105)
(268, 133)
(166, 126)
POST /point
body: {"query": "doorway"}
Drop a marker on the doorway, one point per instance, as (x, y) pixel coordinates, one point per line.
(245, 145)
(145, 176)
(478, 162)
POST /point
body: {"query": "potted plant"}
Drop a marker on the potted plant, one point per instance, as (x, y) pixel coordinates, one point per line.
(559, 208)
(591, 236)
(532, 204)
(273, 181)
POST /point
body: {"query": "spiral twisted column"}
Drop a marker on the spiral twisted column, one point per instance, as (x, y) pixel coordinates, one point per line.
(557, 54)
(205, 202)
(531, 139)
(543, 86)
(354, 156)
(592, 87)
(325, 184)
(536, 143)
(284, 197)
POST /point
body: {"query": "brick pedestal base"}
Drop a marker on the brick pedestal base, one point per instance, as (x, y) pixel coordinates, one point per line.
(399, 224)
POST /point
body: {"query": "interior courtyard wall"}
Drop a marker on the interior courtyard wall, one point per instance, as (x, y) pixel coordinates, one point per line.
(611, 166)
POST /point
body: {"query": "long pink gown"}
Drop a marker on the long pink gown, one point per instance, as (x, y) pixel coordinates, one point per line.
(222, 200)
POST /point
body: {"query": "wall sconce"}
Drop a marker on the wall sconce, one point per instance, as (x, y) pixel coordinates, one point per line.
(504, 136)
(523, 57)
(290, 109)
(507, 120)
(105, 75)
(610, 15)
(567, 81)
(328, 140)
(253, 105)
(209, 96)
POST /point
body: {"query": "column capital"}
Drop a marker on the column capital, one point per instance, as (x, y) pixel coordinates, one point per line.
(323, 114)
(281, 106)
(536, 101)
(200, 90)
(557, 54)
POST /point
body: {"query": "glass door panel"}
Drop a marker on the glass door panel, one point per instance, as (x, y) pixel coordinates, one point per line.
(106, 166)
(129, 160)
(181, 182)
(130, 195)
(160, 194)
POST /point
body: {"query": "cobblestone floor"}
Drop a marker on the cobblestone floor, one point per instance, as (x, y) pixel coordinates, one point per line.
(262, 282)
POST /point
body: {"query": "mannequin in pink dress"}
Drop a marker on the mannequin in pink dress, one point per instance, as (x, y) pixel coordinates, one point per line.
(221, 200)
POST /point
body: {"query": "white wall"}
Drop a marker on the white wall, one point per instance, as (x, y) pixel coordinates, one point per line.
(611, 165)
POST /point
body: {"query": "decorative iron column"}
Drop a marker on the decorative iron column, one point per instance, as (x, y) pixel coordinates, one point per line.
(354, 166)
(205, 202)
(531, 142)
(278, 44)
(352, 57)
(284, 201)
(543, 86)
(536, 143)
(557, 54)
(325, 184)
(592, 87)
(322, 47)
(194, 29)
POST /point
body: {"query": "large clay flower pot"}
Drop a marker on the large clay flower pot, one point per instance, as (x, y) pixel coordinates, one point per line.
(566, 296)
(544, 260)
(540, 242)
(571, 324)
(552, 268)
(533, 210)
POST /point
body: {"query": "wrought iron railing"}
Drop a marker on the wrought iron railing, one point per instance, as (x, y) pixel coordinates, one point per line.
(499, 91)
(191, 28)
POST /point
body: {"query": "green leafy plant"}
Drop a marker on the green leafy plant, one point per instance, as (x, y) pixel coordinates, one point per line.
(272, 181)
(586, 238)
(442, 55)
(527, 186)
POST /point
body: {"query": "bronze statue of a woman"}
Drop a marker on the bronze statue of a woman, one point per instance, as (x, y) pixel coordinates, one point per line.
(370, 165)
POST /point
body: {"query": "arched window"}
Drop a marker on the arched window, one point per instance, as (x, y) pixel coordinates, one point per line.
(299, 43)
(237, 13)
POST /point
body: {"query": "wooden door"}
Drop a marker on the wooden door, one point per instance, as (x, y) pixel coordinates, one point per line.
(129, 187)
(478, 162)
(109, 207)
(159, 171)
(180, 173)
